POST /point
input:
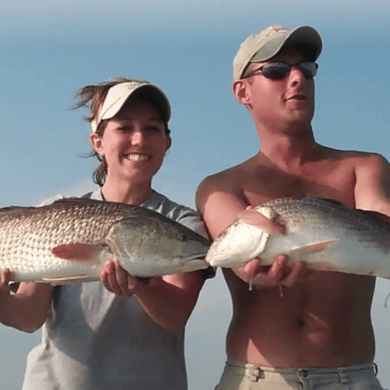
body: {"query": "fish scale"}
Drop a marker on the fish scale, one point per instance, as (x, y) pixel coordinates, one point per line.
(28, 234)
(69, 240)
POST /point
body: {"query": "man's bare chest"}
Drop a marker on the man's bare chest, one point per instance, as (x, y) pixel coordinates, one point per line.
(328, 183)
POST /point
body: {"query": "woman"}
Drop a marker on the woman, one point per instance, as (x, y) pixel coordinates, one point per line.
(124, 333)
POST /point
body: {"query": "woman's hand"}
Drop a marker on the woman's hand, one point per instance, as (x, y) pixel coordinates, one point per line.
(5, 287)
(118, 281)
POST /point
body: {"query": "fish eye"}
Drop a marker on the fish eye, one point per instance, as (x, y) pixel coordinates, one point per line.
(182, 237)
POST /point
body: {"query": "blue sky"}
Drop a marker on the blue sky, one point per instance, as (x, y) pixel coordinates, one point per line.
(50, 49)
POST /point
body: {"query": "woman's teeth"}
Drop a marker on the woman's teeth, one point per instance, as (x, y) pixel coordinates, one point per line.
(137, 157)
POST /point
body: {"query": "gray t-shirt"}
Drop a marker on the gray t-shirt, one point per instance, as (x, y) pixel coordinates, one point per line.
(95, 340)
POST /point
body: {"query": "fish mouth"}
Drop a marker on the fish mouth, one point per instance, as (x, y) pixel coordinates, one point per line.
(214, 261)
(195, 256)
(220, 260)
(193, 263)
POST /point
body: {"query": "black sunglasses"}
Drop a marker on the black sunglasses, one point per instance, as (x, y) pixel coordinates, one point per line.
(279, 70)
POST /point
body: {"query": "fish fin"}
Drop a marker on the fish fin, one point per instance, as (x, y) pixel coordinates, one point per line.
(79, 252)
(12, 208)
(60, 281)
(322, 267)
(313, 247)
(262, 222)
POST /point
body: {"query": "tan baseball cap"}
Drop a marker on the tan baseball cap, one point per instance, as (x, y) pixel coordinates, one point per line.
(119, 93)
(268, 42)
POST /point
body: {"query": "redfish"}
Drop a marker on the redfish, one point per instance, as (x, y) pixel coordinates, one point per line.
(69, 241)
(325, 234)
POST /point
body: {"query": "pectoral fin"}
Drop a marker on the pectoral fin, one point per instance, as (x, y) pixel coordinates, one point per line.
(79, 252)
(312, 247)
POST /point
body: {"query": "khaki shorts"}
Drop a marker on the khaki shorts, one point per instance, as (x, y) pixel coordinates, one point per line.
(244, 376)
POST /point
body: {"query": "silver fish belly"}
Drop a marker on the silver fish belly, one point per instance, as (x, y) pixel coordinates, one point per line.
(69, 240)
(325, 234)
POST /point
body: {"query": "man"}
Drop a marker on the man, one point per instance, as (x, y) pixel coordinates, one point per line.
(296, 329)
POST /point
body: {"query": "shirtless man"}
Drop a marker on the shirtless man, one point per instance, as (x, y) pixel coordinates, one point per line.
(319, 330)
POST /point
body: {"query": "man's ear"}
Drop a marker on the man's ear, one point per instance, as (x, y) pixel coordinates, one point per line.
(240, 91)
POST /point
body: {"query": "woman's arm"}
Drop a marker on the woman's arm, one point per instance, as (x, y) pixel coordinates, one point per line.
(26, 309)
(169, 300)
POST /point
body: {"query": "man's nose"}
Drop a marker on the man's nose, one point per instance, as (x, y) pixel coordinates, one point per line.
(296, 76)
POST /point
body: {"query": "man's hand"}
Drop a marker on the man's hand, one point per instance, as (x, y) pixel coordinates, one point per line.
(279, 273)
(119, 281)
(253, 217)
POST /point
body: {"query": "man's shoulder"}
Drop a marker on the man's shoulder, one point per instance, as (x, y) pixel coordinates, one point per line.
(230, 183)
(355, 157)
(228, 177)
(352, 154)
(224, 181)
(219, 177)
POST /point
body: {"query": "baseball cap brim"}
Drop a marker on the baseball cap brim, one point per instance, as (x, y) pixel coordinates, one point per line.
(120, 93)
(305, 38)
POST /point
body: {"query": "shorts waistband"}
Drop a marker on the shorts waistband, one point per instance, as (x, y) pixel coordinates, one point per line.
(255, 371)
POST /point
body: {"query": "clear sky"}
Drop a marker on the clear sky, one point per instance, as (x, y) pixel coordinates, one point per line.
(49, 49)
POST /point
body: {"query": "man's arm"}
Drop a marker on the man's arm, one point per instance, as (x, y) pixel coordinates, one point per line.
(372, 188)
(25, 310)
(219, 205)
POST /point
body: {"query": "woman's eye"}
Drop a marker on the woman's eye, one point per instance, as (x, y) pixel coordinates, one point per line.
(154, 129)
(125, 129)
